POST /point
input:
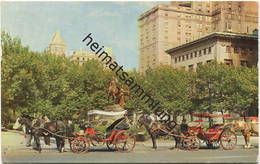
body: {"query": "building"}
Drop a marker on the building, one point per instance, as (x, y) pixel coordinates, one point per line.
(231, 48)
(170, 25)
(81, 56)
(57, 45)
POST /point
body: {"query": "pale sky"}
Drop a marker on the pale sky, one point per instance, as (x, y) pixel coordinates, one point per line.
(112, 24)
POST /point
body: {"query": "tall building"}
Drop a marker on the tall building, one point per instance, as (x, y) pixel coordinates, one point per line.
(57, 45)
(224, 47)
(170, 25)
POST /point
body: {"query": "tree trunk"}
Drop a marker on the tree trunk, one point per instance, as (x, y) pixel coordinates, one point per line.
(222, 112)
(191, 116)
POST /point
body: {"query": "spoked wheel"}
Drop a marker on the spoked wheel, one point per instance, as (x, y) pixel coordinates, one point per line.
(79, 145)
(191, 143)
(94, 141)
(110, 145)
(212, 145)
(228, 140)
(124, 141)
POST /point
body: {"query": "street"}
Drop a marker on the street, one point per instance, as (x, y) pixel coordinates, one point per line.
(14, 150)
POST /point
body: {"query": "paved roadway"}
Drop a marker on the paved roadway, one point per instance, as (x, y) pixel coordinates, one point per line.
(13, 150)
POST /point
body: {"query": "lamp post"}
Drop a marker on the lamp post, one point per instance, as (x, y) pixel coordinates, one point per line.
(210, 97)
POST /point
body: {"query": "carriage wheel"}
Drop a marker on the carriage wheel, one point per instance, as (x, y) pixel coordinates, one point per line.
(124, 141)
(228, 140)
(79, 145)
(191, 143)
(110, 145)
(212, 145)
(94, 142)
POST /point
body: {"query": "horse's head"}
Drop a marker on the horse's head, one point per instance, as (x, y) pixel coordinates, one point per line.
(145, 120)
(17, 123)
(22, 120)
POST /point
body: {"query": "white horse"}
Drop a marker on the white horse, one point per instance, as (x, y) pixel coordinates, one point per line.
(17, 124)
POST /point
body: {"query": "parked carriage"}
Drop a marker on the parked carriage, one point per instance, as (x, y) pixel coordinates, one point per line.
(218, 134)
(122, 139)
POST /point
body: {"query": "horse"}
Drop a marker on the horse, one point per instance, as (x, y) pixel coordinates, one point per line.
(156, 129)
(246, 128)
(114, 91)
(56, 129)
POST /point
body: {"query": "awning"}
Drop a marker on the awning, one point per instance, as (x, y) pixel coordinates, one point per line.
(209, 115)
(107, 113)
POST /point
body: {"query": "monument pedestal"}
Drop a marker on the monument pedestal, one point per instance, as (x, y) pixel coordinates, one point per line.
(115, 108)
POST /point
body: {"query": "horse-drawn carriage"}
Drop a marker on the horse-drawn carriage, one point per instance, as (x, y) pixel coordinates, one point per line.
(217, 134)
(189, 137)
(116, 137)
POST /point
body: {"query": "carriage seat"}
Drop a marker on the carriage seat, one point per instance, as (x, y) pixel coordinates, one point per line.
(215, 128)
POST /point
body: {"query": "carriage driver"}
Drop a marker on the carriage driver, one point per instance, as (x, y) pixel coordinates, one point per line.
(124, 124)
(47, 139)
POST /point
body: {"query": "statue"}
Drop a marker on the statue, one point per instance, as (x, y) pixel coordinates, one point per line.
(117, 92)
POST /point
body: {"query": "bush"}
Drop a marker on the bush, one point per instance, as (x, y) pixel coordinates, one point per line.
(10, 126)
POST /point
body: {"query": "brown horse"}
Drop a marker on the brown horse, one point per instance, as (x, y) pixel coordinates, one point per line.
(113, 90)
(41, 129)
(153, 128)
(247, 129)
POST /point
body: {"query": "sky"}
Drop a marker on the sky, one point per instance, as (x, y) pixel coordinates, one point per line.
(112, 24)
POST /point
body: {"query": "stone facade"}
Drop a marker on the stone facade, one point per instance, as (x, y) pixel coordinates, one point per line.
(224, 47)
(170, 25)
(81, 56)
(57, 45)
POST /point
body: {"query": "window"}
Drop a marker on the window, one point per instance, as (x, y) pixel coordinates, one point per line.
(191, 55)
(236, 49)
(190, 67)
(176, 60)
(208, 61)
(209, 50)
(195, 54)
(187, 56)
(228, 49)
(244, 63)
(179, 58)
(229, 26)
(166, 14)
(199, 52)
(205, 51)
(228, 61)
(243, 51)
(183, 58)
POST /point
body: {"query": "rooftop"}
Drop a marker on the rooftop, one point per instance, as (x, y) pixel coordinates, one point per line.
(56, 39)
(214, 35)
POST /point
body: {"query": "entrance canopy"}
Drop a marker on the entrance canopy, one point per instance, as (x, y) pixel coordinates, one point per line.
(209, 115)
(107, 113)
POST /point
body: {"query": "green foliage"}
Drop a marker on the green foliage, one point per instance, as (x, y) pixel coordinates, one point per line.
(220, 88)
(40, 83)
